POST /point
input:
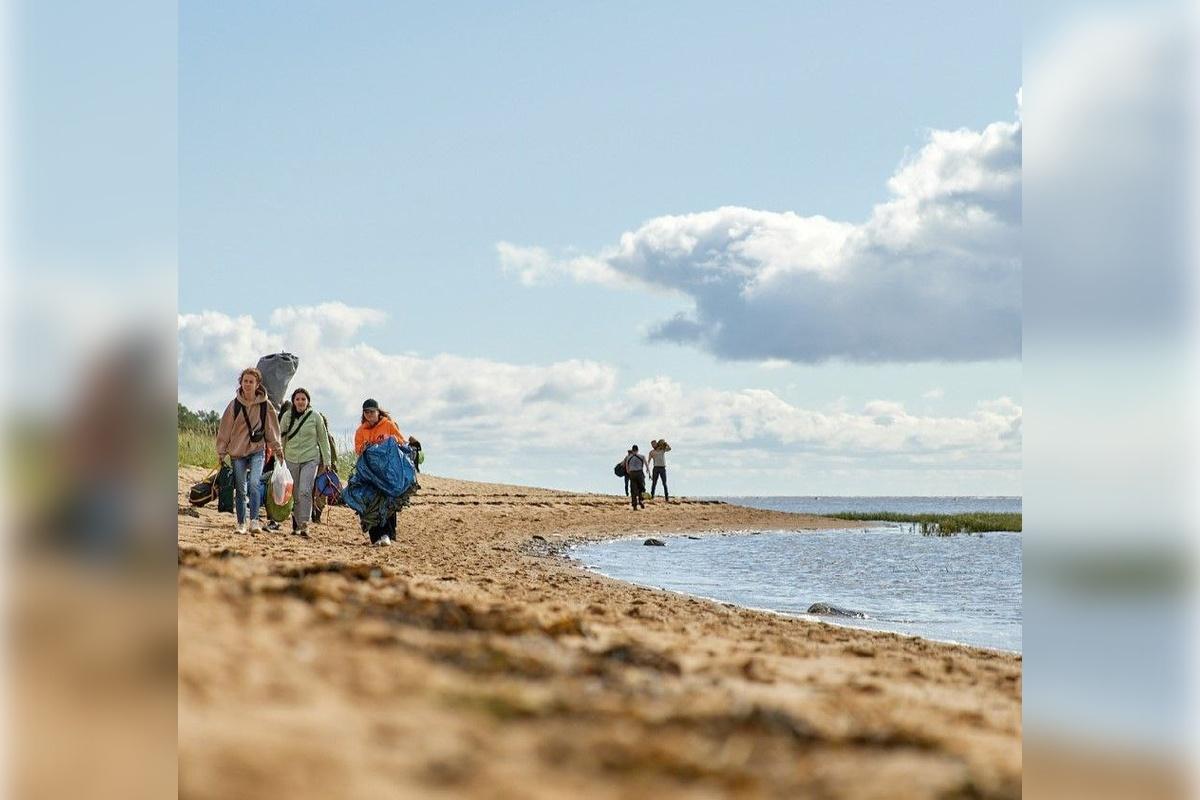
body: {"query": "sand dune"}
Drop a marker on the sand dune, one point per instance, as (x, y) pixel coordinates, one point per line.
(472, 659)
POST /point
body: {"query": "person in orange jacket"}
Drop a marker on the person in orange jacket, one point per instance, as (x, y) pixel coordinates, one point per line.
(376, 426)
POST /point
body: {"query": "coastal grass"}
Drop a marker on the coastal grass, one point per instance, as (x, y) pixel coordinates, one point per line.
(941, 524)
(197, 448)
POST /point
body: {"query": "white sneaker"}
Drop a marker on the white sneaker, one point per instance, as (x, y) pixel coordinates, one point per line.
(239, 527)
(384, 541)
(255, 526)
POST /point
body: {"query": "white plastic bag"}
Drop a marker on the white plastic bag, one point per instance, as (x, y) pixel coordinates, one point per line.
(281, 483)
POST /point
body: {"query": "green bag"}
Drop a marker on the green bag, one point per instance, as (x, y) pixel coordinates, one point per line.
(279, 513)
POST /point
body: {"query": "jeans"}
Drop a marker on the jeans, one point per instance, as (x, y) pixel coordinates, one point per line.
(247, 469)
(304, 473)
(659, 472)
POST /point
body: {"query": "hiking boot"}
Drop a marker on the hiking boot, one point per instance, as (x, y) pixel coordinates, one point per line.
(384, 541)
(255, 526)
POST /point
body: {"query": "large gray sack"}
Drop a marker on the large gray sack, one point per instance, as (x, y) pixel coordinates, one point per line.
(277, 371)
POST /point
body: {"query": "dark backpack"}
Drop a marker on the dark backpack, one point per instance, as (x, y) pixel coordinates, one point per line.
(224, 485)
(256, 436)
(277, 370)
(619, 470)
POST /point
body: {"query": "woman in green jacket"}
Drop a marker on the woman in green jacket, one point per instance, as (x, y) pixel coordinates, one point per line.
(306, 450)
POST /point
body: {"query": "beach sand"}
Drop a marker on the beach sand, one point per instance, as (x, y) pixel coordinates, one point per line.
(472, 659)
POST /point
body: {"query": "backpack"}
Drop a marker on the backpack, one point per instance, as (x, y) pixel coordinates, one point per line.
(277, 371)
(332, 444)
(619, 470)
(224, 485)
(418, 457)
(260, 434)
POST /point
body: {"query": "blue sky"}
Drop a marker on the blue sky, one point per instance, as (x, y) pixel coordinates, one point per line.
(377, 158)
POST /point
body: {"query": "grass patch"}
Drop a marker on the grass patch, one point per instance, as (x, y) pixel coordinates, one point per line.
(197, 449)
(941, 524)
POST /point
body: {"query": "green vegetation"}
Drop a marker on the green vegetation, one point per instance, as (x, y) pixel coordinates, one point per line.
(942, 524)
(197, 449)
(345, 457)
(205, 421)
(197, 437)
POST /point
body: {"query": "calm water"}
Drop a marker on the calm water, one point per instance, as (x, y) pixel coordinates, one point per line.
(899, 505)
(952, 588)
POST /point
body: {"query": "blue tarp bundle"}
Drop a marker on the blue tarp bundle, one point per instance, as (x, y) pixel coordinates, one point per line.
(384, 469)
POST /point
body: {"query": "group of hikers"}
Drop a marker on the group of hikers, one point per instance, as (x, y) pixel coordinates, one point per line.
(291, 441)
(634, 467)
(253, 434)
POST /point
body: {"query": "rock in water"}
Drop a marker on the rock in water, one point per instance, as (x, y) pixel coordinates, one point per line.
(828, 610)
(654, 543)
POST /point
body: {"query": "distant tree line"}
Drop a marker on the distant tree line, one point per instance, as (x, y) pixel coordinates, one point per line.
(205, 421)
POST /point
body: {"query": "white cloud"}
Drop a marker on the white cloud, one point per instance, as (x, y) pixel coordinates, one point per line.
(499, 421)
(310, 327)
(933, 274)
(535, 265)
(936, 393)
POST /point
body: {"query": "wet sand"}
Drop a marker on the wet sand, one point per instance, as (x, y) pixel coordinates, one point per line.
(472, 659)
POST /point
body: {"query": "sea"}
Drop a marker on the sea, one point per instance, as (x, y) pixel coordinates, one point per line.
(898, 505)
(964, 588)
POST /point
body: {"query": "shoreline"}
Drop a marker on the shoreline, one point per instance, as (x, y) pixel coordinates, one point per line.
(762, 609)
(464, 661)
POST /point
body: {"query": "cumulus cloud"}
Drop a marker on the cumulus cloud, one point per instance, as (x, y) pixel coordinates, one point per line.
(492, 420)
(335, 320)
(934, 274)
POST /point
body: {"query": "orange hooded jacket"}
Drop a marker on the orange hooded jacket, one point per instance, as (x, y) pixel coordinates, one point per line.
(370, 434)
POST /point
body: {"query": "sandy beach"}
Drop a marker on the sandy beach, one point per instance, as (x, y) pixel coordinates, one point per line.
(472, 659)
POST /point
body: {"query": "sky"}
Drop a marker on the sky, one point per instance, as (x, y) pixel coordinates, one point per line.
(785, 238)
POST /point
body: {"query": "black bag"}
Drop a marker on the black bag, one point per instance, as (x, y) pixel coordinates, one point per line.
(619, 470)
(224, 484)
(204, 491)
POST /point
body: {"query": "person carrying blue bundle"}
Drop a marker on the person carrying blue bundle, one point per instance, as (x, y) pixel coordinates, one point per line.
(384, 477)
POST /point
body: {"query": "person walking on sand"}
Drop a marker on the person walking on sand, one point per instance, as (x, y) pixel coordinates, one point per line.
(628, 453)
(376, 426)
(247, 428)
(658, 466)
(306, 451)
(635, 469)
